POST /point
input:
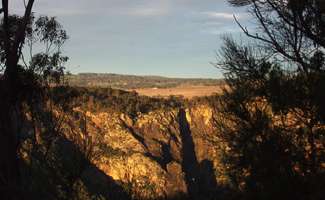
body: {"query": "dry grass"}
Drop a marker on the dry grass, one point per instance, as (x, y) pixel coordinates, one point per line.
(187, 91)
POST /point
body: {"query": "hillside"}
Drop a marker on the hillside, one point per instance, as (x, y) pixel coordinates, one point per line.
(128, 82)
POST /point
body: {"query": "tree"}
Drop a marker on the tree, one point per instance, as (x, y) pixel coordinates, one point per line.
(22, 80)
(273, 111)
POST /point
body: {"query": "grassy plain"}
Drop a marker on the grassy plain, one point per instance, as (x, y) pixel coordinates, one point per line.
(187, 91)
(152, 86)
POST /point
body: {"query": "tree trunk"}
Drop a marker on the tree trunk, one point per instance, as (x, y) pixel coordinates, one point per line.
(9, 166)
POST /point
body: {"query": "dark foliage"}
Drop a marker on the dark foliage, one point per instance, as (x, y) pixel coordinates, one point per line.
(105, 99)
(272, 113)
(21, 83)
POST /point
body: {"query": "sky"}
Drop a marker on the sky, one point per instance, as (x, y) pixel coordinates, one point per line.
(174, 38)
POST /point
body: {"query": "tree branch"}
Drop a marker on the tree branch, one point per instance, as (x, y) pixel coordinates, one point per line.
(6, 26)
(21, 33)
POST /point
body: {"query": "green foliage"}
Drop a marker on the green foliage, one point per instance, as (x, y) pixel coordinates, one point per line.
(49, 64)
(271, 123)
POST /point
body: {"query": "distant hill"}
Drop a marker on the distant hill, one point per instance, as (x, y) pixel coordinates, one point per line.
(133, 82)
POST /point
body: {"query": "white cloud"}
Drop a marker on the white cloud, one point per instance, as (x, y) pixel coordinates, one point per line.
(146, 11)
(218, 15)
(224, 15)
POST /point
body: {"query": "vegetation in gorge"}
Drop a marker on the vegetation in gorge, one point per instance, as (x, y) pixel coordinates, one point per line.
(105, 99)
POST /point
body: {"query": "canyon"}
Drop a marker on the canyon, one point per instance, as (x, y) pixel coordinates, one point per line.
(165, 152)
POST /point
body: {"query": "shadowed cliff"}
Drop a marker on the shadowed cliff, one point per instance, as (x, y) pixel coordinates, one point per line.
(200, 178)
(190, 164)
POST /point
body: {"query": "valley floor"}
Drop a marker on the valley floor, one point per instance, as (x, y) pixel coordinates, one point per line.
(187, 91)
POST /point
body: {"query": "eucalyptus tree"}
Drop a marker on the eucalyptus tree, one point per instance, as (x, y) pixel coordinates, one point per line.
(24, 76)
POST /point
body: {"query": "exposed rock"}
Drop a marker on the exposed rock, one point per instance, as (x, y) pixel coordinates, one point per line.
(163, 153)
(167, 150)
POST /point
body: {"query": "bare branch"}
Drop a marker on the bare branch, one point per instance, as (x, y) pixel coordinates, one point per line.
(23, 59)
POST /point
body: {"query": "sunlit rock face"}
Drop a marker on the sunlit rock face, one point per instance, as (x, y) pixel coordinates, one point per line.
(163, 153)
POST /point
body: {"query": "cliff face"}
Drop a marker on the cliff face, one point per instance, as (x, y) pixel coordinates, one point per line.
(163, 153)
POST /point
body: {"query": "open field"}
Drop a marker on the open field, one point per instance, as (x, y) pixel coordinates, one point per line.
(187, 91)
(130, 82)
(153, 86)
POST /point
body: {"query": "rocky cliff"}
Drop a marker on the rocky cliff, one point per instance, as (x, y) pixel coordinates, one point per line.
(158, 152)
(162, 153)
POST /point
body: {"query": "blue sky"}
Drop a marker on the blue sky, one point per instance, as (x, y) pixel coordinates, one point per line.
(175, 38)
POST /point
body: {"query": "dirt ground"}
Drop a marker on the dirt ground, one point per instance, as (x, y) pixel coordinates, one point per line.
(187, 91)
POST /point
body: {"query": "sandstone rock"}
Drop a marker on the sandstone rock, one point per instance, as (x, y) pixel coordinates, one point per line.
(147, 153)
